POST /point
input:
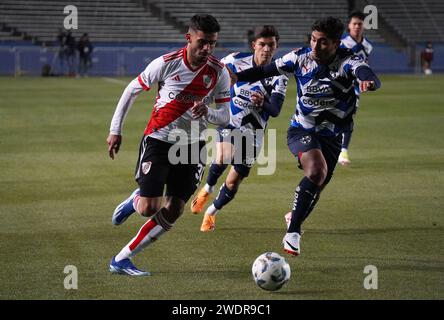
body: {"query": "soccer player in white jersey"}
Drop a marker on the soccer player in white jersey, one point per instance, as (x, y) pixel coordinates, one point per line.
(325, 76)
(251, 106)
(187, 81)
(356, 42)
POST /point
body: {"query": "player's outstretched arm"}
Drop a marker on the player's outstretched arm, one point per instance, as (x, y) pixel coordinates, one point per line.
(275, 105)
(127, 99)
(257, 73)
(368, 80)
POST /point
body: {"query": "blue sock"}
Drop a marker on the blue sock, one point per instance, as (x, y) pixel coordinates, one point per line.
(225, 195)
(312, 205)
(215, 172)
(347, 135)
(304, 196)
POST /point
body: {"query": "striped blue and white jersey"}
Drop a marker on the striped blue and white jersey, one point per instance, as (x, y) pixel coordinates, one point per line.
(362, 49)
(326, 99)
(244, 115)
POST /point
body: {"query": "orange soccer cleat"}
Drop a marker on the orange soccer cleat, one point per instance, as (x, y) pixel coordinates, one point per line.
(198, 203)
(208, 223)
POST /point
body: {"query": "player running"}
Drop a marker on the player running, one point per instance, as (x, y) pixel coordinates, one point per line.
(326, 101)
(188, 80)
(251, 106)
(356, 42)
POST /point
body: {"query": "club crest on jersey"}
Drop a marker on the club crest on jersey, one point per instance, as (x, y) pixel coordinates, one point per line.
(146, 166)
(225, 132)
(306, 139)
(207, 80)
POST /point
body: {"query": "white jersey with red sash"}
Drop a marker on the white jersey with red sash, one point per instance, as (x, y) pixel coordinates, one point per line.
(179, 86)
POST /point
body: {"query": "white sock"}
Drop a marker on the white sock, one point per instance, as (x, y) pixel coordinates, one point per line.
(211, 210)
(209, 188)
(136, 203)
(149, 233)
(123, 254)
(343, 149)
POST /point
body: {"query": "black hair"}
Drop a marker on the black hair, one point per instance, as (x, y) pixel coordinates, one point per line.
(356, 14)
(332, 27)
(205, 23)
(266, 31)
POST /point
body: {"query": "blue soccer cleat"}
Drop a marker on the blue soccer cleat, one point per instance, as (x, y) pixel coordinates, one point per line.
(125, 266)
(125, 209)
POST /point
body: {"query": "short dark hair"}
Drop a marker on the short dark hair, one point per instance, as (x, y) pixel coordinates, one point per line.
(266, 31)
(332, 27)
(205, 23)
(356, 14)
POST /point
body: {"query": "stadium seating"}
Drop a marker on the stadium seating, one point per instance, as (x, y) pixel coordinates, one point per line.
(414, 20)
(104, 20)
(292, 18)
(144, 21)
(152, 21)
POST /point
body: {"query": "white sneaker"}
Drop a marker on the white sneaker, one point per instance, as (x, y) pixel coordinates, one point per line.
(291, 243)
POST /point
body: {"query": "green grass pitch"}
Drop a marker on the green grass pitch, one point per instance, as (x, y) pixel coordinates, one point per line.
(58, 189)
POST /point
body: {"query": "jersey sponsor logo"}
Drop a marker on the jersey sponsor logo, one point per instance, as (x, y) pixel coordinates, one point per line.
(187, 97)
(318, 102)
(241, 103)
(146, 167)
(316, 89)
(176, 78)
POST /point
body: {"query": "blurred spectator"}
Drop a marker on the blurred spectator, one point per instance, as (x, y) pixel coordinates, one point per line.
(61, 39)
(85, 51)
(250, 38)
(427, 58)
(70, 51)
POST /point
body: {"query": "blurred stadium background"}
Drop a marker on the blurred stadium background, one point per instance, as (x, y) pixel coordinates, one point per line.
(127, 34)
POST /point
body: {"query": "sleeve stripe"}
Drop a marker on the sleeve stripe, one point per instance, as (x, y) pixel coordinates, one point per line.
(222, 100)
(144, 86)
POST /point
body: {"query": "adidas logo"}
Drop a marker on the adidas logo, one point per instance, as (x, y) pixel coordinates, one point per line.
(176, 78)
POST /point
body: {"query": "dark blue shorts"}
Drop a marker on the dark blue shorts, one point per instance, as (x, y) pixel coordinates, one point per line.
(245, 156)
(300, 141)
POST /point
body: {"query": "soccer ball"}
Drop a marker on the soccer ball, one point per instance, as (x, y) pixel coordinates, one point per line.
(270, 271)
